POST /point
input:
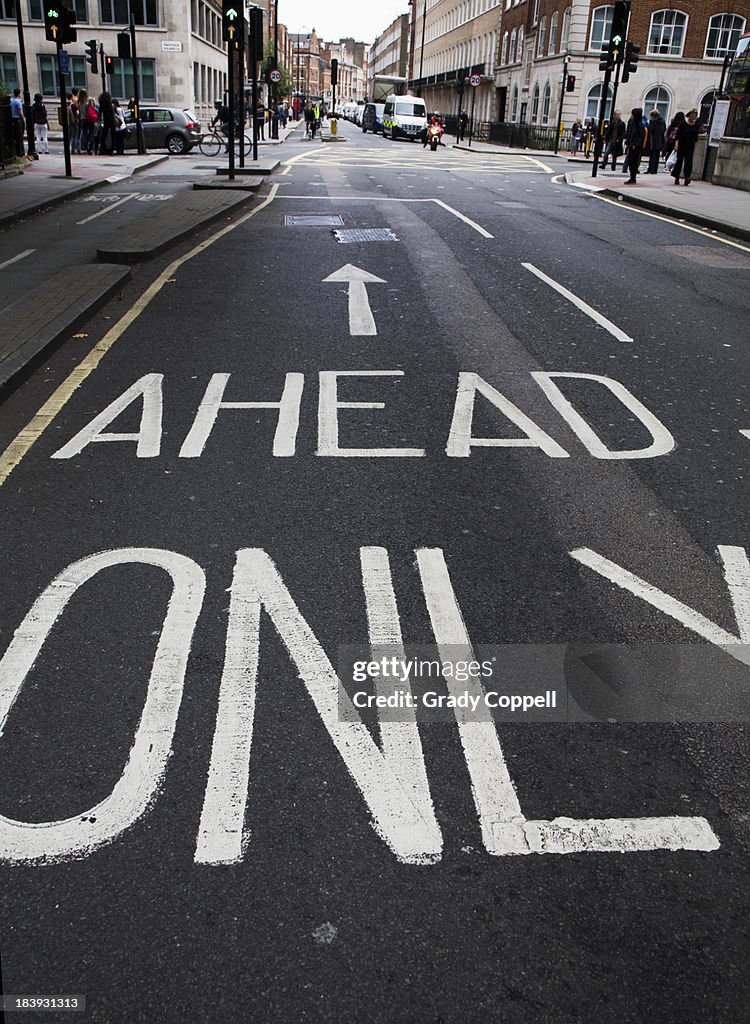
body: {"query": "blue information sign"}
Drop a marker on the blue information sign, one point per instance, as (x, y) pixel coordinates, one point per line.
(64, 62)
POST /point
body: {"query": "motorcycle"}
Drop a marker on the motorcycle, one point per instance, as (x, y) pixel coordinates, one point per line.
(434, 136)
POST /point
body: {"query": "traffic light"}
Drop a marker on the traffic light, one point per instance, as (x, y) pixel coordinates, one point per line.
(68, 33)
(570, 84)
(231, 20)
(52, 22)
(607, 60)
(255, 54)
(618, 34)
(460, 81)
(334, 71)
(91, 55)
(109, 64)
(630, 62)
(123, 45)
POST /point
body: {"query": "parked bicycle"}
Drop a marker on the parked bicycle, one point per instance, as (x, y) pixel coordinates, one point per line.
(215, 142)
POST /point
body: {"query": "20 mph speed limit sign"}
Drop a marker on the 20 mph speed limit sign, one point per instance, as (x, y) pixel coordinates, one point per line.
(274, 75)
(475, 80)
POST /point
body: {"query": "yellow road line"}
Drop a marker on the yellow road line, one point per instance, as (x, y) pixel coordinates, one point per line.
(539, 163)
(622, 204)
(26, 438)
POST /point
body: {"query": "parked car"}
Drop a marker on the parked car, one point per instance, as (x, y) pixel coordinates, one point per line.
(372, 118)
(171, 128)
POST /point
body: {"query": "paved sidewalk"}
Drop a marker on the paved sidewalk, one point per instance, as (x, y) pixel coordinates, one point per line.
(43, 182)
(720, 209)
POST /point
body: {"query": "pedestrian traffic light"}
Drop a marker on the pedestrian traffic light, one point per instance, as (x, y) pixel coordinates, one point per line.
(68, 32)
(91, 55)
(630, 62)
(231, 20)
(109, 64)
(52, 22)
(570, 84)
(334, 71)
(123, 45)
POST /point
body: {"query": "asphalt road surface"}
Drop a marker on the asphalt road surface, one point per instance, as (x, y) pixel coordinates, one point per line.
(520, 417)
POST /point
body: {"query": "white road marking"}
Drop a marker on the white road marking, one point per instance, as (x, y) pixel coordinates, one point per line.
(361, 320)
(328, 422)
(736, 573)
(15, 259)
(149, 390)
(111, 206)
(583, 306)
(401, 199)
(141, 778)
(745, 433)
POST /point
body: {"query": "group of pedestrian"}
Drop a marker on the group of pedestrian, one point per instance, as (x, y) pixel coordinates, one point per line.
(94, 126)
(651, 138)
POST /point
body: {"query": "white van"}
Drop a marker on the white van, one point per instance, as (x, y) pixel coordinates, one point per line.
(404, 117)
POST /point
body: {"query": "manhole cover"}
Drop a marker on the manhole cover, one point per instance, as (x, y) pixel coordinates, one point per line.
(708, 256)
(365, 235)
(313, 220)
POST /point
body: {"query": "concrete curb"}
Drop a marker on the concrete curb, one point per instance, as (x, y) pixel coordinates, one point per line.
(37, 205)
(699, 219)
(31, 332)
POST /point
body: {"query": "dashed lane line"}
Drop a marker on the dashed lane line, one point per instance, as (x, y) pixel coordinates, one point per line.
(16, 259)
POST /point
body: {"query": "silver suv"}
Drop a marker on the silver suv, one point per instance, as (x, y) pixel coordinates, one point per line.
(165, 128)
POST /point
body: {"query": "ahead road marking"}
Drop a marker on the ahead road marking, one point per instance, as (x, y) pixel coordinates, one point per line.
(583, 306)
(361, 320)
(15, 259)
(24, 441)
(111, 206)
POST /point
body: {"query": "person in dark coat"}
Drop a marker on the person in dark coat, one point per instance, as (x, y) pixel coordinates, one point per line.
(613, 138)
(687, 136)
(635, 136)
(657, 133)
(671, 138)
(106, 125)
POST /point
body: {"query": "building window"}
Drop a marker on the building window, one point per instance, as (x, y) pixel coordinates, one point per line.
(535, 104)
(601, 28)
(512, 52)
(592, 103)
(553, 33)
(724, 31)
(535, 19)
(121, 79)
(667, 35)
(117, 12)
(79, 6)
(657, 98)
(514, 106)
(8, 10)
(504, 50)
(48, 74)
(519, 47)
(9, 71)
(541, 38)
(546, 98)
(565, 37)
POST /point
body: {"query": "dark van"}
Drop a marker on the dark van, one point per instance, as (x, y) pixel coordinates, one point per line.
(372, 118)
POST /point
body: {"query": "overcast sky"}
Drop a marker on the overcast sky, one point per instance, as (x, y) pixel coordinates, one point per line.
(335, 19)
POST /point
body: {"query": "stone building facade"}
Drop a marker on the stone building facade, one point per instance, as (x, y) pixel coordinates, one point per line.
(682, 50)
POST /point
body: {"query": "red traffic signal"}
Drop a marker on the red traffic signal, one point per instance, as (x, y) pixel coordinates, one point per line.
(571, 83)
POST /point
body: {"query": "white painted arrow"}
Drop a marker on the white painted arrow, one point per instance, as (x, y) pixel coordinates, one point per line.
(361, 320)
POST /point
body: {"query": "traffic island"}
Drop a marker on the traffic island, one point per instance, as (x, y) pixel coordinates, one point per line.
(174, 222)
(31, 327)
(256, 167)
(241, 184)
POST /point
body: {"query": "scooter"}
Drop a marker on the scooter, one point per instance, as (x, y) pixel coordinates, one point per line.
(434, 135)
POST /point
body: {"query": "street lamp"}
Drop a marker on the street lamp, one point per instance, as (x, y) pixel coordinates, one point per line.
(421, 50)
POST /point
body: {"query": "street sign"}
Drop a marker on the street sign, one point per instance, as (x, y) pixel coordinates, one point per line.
(475, 80)
(275, 75)
(64, 62)
(171, 46)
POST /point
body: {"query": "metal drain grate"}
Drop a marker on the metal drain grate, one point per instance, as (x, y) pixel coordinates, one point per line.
(365, 235)
(313, 220)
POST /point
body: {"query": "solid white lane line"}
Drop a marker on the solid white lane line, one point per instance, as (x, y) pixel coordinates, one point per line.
(583, 306)
(107, 208)
(15, 259)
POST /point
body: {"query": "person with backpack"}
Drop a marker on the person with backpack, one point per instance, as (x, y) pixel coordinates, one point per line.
(636, 140)
(41, 124)
(89, 117)
(671, 138)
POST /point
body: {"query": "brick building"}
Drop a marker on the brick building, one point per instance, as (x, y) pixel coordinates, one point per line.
(682, 49)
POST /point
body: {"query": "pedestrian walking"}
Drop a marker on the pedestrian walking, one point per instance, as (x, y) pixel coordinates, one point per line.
(40, 120)
(657, 133)
(309, 120)
(576, 136)
(671, 138)
(106, 125)
(120, 128)
(260, 121)
(74, 121)
(462, 124)
(19, 123)
(282, 114)
(687, 136)
(613, 140)
(636, 139)
(89, 117)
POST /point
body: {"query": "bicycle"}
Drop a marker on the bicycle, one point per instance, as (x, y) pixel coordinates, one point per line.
(215, 142)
